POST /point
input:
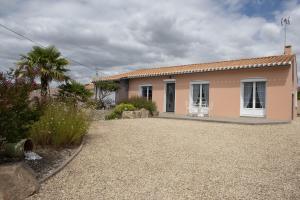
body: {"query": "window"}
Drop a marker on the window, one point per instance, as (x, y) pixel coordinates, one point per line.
(254, 94)
(146, 92)
(200, 95)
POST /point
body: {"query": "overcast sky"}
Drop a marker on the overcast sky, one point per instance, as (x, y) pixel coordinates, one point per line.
(119, 35)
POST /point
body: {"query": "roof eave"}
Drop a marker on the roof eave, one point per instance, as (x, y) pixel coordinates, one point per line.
(278, 64)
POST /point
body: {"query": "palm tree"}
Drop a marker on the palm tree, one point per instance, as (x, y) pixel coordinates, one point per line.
(74, 90)
(45, 63)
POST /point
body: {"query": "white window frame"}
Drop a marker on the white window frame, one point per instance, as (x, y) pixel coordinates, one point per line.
(192, 107)
(252, 112)
(141, 90)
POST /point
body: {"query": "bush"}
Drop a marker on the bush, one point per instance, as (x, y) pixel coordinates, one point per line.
(61, 125)
(117, 112)
(16, 114)
(123, 107)
(111, 116)
(141, 102)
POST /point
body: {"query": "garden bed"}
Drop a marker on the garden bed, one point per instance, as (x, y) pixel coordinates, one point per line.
(51, 160)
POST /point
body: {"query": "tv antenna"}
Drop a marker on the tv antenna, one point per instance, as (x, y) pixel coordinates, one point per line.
(284, 22)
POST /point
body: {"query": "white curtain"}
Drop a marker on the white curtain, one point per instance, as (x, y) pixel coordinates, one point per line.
(260, 91)
(205, 95)
(248, 97)
(196, 94)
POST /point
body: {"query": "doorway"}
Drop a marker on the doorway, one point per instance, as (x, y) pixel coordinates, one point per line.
(170, 97)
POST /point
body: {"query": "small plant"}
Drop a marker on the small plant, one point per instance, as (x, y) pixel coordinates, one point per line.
(117, 112)
(141, 102)
(61, 125)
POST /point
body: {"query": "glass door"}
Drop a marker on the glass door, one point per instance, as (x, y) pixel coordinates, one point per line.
(199, 102)
(170, 97)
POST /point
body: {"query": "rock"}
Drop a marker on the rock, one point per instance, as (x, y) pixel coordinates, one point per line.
(137, 114)
(155, 113)
(131, 114)
(17, 181)
(127, 115)
(144, 113)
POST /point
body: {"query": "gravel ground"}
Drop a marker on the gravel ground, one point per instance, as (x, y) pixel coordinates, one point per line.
(173, 159)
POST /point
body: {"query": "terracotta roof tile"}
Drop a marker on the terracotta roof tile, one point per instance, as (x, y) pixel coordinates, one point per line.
(269, 61)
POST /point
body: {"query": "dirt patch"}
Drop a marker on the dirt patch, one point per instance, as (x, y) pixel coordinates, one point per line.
(51, 159)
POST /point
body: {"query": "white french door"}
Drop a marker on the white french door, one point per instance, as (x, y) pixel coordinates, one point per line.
(253, 98)
(199, 98)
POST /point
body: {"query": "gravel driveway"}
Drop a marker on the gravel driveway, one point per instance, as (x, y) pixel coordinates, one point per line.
(173, 159)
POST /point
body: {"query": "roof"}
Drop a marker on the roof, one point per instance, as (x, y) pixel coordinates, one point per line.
(269, 61)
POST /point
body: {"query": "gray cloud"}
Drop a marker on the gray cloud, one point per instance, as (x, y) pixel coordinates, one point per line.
(116, 35)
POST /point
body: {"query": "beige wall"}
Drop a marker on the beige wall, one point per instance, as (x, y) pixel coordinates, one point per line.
(298, 109)
(225, 91)
(122, 92)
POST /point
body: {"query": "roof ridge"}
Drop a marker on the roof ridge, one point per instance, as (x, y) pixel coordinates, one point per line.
(221, 61)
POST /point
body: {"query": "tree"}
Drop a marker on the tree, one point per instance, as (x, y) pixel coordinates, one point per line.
(45, 63)
(105, 88)
(74, 90)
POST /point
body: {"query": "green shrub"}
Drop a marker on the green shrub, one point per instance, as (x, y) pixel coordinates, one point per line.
(117, 112)
(123, 107)
(60, 125)
(141, 102)
(111, 116)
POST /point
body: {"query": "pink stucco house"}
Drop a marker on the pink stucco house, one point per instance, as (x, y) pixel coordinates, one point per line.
(264, 87)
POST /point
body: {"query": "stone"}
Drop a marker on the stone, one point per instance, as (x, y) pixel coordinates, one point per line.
(155, 113)
(127, 115)
(17, 181)
(144, 113)
(131, 114)
(137, 114)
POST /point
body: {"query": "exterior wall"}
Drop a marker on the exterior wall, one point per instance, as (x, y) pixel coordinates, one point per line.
(224, 92)
(298, 108)
(122, 93)
(157, 89)
(295, 88)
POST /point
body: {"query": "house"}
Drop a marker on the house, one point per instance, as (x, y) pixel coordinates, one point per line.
(263, 87)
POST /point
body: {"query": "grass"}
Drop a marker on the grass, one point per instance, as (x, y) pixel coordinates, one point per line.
(61, 125)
